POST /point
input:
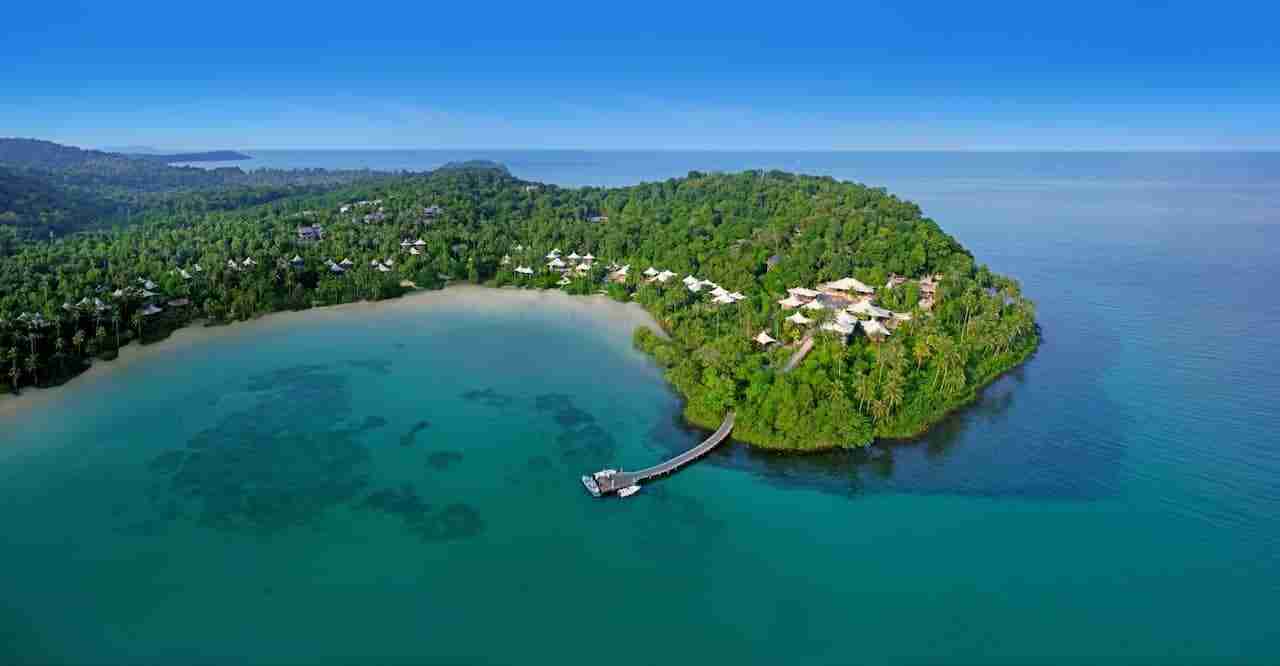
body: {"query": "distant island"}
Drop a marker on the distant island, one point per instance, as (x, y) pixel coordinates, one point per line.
(473, 165)
(206, 156)
(822, 313)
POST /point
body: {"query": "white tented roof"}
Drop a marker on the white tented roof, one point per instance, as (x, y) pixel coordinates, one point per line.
(866, 308)
(873, 327)
(849, 284)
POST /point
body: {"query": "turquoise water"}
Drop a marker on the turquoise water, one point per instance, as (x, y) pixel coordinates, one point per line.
(397, 484)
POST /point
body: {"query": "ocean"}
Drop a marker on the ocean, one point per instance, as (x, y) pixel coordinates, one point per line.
(398, 483)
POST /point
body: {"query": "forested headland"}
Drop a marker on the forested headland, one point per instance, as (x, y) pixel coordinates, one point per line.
(67, 301)
(49, 190)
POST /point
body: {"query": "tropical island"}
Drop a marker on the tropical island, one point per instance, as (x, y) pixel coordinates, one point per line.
(823, 313)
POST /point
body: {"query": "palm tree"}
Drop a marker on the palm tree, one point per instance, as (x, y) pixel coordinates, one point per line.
(115, 321)
(865, 390)
(920, 350)
(14, 374)
(894, 389)
(137, 325)
(78, 341)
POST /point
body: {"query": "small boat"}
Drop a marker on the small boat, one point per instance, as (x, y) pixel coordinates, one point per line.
(629, 490)
(591, 485)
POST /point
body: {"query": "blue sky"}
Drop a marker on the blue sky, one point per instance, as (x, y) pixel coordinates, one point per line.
(852, 75)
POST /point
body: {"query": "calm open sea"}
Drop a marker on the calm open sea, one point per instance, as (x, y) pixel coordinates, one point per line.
(398, 484)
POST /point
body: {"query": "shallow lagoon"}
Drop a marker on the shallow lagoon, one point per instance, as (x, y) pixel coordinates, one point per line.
(401, 480)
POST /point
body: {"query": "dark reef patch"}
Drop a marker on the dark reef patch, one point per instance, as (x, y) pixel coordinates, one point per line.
(488, 397)
(562, 409)
(288, 458)
(283, 377)
(582, 442)
(371, 423)
(403, 503)
(408, 438)
(442, 460)
(587, 446)
(167, 462)
(276, 464)
(455, 521)
(378, 366)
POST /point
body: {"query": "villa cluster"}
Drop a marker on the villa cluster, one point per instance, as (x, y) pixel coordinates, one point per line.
(853, 303)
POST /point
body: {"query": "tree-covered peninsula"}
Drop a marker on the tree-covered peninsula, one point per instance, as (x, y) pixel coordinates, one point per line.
(903, 324)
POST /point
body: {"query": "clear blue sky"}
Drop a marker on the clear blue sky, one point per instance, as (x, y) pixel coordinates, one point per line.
(688, 75)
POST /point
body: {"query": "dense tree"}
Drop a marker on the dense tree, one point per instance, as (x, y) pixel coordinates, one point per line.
(223, 265)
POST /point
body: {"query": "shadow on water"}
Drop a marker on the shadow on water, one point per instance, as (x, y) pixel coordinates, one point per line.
(280, 463)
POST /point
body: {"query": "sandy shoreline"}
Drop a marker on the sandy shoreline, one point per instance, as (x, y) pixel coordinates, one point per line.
(622, 317)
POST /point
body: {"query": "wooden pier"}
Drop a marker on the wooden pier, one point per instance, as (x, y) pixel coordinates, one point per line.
(610, 481)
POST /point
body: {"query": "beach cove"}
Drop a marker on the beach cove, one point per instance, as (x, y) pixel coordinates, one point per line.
(470, 297)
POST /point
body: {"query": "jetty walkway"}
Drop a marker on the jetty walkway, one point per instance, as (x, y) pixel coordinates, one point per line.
(610, 481)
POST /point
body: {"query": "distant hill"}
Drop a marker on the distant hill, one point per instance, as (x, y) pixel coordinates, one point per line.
(47, 187)
(206, 156)
(131, 150)
(474, 165)
(38, 154)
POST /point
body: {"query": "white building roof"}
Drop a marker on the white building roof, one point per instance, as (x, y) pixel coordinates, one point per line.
(849, 284)
(651, 271)
(799, 319)
(803, 292)
(524, 270)
(842, 329)
(865, 307)
(873, 327)
(791, 302)
(814, 305)
(765, 339)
